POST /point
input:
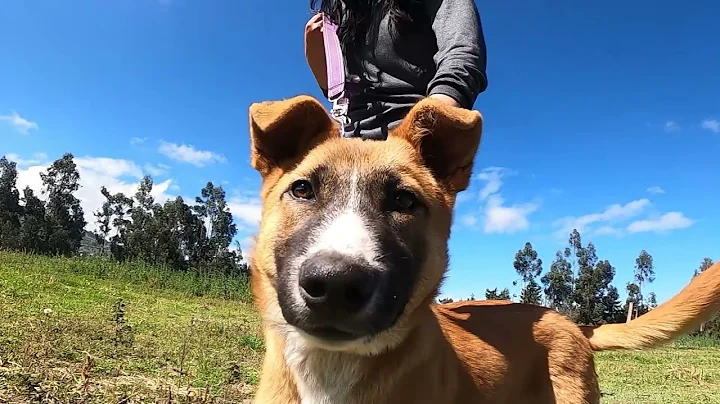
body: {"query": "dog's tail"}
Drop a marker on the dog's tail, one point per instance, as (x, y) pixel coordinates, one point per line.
(697, 302)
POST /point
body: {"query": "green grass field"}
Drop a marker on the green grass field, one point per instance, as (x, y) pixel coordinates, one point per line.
(89, 331)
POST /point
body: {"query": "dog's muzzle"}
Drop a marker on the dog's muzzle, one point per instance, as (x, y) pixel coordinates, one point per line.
(342, 295)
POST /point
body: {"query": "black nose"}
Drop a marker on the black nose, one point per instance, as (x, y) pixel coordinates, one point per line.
(335, 286)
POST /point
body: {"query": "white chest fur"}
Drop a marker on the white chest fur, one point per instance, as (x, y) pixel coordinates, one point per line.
(322, 377)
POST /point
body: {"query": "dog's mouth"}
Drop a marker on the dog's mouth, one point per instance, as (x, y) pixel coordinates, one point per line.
(331, 334)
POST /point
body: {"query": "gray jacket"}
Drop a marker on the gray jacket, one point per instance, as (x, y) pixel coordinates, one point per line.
(448, 57)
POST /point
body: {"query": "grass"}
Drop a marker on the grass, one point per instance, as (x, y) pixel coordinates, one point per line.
(74, 330)
(90, 331)
(684, 372)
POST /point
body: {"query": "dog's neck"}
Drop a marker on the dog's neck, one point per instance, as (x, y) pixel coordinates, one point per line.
(326, 377)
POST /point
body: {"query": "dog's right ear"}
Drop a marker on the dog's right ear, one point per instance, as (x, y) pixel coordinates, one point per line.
(282, 132)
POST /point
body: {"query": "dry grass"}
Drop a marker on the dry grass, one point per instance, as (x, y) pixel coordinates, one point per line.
(86, 332)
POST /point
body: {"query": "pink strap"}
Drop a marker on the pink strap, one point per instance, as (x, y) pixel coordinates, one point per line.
(333, 60)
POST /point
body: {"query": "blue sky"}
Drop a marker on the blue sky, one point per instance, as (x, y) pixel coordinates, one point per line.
(604, 116)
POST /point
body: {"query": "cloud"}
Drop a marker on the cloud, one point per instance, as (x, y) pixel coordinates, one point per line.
(611, 214)
(246, 211)
(134, 141)
(608, 231)
(20, 124)
(506, 219)
(494, 215)
(189, 154)
(493, 180)
(156, 170)
(655, 190)
(469, 220)
(117, 175)
(671, 126)
(668, 221)
(37, 158)
(713, 125)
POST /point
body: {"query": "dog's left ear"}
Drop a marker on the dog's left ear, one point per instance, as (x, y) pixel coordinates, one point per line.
(282, 132)
(446, 137)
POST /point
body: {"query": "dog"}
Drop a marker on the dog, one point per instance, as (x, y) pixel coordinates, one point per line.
(351, 252)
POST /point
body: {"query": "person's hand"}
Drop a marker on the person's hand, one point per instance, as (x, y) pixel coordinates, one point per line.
(446, 99)
(315, 49)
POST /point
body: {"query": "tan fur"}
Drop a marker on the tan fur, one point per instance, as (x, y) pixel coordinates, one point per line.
(465, 352)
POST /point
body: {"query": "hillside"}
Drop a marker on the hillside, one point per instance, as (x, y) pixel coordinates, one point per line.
(84, 330)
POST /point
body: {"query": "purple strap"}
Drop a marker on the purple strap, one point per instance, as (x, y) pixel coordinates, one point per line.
(333, 60)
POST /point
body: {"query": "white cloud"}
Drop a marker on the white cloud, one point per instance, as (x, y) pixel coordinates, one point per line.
(655, 190)
(495, 217)
(189, 154)
(493, 180)
(671, 126)
(506, 219)
(668, 221)
(117, 175)
(612, 213)
(156, 170)
(468, 220)
(137, 140)
(37, 158)
(20, 124)
(713, 125)
(246, 211)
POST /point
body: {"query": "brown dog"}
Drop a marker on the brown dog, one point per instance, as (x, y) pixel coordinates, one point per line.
(352, 249)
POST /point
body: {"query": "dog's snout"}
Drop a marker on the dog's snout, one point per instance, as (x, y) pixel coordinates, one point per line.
(334, 285)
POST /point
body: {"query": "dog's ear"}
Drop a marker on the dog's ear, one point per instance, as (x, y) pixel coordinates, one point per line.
(282, 132)
(446, 137)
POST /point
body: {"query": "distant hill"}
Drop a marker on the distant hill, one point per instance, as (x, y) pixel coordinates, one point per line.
(89, 244)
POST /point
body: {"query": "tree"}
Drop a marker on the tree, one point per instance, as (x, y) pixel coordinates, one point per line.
(558, 283)
(527, 264)
(494, 295)
(612, 310)
(64, 213)
(104, 219)
(704, 265)
(574, 251)
(644, 272)
(635, 297)
(34, 231)
(712, 327)
(445, 300)
(183, 235)
(531, 293)
(120, 208)
(595, 299)
(213, 210)
(10, 211)
(141, 235)
(652, 301)
(240, 262)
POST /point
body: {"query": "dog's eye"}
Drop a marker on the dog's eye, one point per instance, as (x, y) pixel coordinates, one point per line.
(404, 201)
(302, 189)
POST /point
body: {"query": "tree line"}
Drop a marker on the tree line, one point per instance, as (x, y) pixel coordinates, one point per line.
(198, 237)
(175, 234)
(579, 285)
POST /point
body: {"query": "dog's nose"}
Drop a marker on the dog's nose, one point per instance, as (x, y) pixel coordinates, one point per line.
(334, 286)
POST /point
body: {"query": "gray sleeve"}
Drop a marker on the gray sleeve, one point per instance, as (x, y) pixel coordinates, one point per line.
(461, 55)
